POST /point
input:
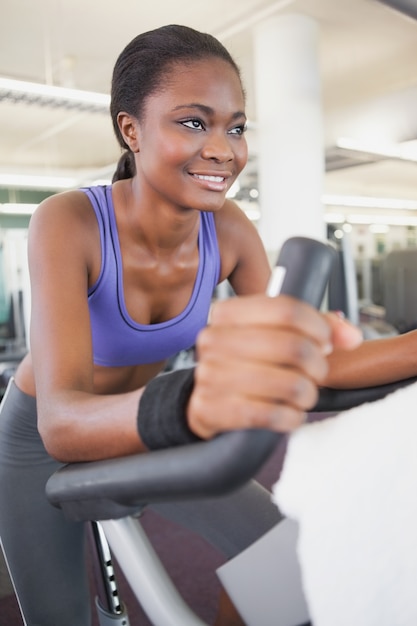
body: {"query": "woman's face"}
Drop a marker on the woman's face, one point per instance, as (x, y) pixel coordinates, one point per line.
(191, 140)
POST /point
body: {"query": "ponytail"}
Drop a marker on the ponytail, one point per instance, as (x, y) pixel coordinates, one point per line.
(125, 168)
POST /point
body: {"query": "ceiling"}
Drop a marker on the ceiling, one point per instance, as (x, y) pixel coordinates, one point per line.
(368, 69)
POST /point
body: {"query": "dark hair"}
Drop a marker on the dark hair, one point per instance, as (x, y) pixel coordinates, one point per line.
(142, 68)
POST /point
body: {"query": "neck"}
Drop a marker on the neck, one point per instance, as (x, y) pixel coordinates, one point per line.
(159, 226)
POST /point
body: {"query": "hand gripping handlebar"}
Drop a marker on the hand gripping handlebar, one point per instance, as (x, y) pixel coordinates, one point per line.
(115, 488)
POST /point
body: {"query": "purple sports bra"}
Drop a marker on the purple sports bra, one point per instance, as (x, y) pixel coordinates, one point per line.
(117, 339)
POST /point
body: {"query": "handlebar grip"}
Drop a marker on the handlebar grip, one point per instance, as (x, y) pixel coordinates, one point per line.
(302, 270)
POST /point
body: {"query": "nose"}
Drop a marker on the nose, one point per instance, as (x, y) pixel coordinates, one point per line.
(217, 147)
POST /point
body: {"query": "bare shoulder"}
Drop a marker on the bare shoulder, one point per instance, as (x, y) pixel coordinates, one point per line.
(63, 208)
(64, 219)
(243, 256)
(63, 228)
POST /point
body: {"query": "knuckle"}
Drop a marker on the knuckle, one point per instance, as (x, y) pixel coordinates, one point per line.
(278, 417)
(288, 419)
(302, 350)
(293, 309)
(252, 416)
(307, 357)
(302, 392)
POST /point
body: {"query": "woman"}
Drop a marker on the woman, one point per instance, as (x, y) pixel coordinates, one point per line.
(122, 278)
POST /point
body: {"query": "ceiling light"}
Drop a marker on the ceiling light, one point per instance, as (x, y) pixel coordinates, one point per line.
(369, 202)
(50, 95)
(406, 150)
(28, 181)
(390, 220)
(368, 219)
(18, 209)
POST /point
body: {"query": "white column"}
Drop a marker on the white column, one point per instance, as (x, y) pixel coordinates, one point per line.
(290, 129)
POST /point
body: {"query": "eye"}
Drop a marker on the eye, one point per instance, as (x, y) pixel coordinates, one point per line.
(238, 130)
(195, 124)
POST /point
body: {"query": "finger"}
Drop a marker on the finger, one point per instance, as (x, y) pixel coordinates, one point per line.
(257, 380)
(209, 416)
(344, 334)
(281, 310)
(270, 346)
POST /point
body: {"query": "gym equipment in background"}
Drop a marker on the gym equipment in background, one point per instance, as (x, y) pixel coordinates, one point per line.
(399, 271)
(343, 293)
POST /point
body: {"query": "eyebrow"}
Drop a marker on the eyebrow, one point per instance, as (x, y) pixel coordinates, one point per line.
(207, 110)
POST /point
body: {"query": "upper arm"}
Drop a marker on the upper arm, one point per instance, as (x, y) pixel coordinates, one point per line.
(75, 422)
(244, 260)
(59, 263)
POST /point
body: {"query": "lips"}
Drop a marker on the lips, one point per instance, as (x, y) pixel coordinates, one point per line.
(212, 182)
(214, 179)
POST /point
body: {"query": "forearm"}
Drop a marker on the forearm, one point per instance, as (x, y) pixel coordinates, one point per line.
(79, 426)
(374, 362)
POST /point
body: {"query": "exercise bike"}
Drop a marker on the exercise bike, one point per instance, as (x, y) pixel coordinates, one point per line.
(112, 494)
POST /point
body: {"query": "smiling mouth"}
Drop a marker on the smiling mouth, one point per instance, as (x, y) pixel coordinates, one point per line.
(212, 179)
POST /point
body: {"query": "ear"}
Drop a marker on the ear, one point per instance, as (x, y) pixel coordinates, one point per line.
(129, 128)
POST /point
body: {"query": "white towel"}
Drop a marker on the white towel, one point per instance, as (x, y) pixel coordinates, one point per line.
(351, 484)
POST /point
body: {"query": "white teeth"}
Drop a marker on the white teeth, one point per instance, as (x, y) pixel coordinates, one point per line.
(215, 179)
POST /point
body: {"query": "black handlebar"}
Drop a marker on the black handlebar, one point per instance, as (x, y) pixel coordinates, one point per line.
(335, 400)
(115, 488)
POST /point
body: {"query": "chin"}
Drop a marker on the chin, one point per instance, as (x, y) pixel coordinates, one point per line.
(213, 204)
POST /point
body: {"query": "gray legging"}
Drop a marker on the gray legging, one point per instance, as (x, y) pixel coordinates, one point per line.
(45, 551)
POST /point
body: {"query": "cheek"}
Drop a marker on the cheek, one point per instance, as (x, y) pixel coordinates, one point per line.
(241, 154)
(161, 148)
(175, 150)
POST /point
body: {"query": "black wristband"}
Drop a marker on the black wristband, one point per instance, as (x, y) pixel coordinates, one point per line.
(162, 421)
